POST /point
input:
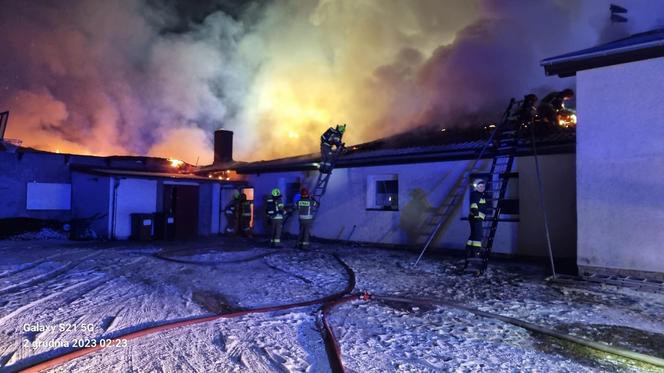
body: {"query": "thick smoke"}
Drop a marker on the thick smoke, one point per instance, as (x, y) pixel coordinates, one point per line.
(136, 77)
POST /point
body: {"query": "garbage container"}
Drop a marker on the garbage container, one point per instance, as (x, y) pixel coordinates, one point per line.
(141, 226)
(164, 226)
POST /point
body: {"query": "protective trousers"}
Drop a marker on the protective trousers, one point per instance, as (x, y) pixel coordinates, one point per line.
(233, 222)
(474, 242)
(305, 229)
(277, 226)
(245, 221)
(326, 157)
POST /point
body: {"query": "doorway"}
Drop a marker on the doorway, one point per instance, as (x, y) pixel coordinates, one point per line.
(181, 208)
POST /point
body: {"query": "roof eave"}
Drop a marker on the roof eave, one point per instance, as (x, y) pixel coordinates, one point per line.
(565, 67)
(556, 148)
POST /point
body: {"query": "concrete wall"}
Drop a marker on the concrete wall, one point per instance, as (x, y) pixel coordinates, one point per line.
(343, 213)
(94, 194)
(620, 158)
(19, 169)
(205, 208)
(132, 196)
(559, 186)
(91, 195)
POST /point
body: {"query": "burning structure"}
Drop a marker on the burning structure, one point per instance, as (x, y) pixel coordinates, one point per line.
(383, 191)
(107, 197)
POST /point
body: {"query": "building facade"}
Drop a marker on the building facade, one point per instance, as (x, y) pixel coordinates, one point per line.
(620, 153)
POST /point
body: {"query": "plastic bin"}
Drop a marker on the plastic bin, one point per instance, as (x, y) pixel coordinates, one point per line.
(142, 226)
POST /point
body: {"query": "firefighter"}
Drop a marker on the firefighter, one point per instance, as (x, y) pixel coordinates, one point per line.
(275, 211)
(476, 217)
(305, 206)
(245, 215)
(528, 110)
(329, 140)
(232, 212)
(552, 104)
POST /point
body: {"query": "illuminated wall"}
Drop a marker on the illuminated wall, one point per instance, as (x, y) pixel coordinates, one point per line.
(344, 214)
(620, 158)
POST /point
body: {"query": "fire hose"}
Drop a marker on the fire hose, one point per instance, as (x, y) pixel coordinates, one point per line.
(71, 355)
(332, 345)
(648, 359)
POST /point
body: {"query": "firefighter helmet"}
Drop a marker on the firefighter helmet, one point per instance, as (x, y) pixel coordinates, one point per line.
(276, 192)
(341, 128)
(478, 182)
(304, 192)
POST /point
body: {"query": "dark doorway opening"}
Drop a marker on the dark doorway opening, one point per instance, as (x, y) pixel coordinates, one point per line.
(181, 211)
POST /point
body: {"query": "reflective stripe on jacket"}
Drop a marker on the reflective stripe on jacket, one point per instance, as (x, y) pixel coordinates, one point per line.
(305, 208)
(478, 205)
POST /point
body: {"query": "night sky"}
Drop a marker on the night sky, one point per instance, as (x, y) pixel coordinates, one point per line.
(158, 76)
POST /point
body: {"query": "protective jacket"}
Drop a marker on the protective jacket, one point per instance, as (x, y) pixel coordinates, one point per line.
(305, 208)
(478, 211)
(331, 137)
(478, 206)
(275, 207)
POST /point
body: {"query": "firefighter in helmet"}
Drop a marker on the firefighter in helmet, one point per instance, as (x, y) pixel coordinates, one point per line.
(330, 143)
(528, 110)
(245, 215)
(275, 211)
(478, 209)
(232, 212)
(552, 104)
(305, 207)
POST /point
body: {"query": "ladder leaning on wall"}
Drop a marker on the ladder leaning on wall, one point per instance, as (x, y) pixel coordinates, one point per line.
(321, 183)
(502, 144)
(323, 180)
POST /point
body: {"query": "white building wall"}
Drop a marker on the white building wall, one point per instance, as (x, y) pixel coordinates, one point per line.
(215, 209)
(133, 196)
(559, 187)
(620, 164)
(343, 214)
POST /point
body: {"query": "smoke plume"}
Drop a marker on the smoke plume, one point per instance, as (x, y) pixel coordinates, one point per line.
(158, 77)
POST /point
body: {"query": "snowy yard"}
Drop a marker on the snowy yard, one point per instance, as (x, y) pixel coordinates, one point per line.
(57, 294)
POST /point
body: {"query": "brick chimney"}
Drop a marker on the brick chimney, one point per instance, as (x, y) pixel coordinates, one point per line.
(223, 146)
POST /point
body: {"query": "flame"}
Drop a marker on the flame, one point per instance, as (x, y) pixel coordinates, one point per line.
(567, 118)
(224, 175)
(175, 163)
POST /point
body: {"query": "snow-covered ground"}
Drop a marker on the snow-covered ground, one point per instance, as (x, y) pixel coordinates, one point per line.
(53, 293)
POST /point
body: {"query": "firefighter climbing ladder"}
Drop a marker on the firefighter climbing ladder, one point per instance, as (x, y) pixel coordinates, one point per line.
(504, 151)
(323, 179)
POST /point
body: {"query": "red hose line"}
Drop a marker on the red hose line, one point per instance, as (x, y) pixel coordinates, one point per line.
(331, 343)
(55, 361)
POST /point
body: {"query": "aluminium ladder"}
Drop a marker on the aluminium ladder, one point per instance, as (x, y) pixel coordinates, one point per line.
(503, 158)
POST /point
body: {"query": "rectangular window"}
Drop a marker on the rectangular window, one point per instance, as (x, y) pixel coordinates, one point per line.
(383, 192)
